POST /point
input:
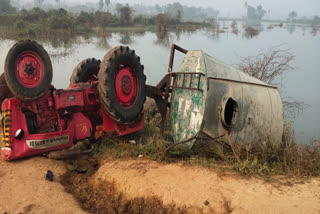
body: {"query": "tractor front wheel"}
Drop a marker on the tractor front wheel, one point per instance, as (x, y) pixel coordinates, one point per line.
(121, 85)
(28, 70)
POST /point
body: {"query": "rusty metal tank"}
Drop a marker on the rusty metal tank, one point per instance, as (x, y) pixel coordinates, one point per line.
(212, 99)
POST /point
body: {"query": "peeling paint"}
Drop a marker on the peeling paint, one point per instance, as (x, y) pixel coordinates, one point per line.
(198, 66)
(188, 105)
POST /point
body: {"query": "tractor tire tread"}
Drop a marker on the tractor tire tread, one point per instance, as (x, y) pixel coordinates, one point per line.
(107, 94)
(19, 91)
(84, 69)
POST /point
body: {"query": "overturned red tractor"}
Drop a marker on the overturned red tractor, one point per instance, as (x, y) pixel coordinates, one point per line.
(105, 95)
(204, 101)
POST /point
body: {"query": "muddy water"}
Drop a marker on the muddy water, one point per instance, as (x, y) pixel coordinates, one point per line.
(154, 48)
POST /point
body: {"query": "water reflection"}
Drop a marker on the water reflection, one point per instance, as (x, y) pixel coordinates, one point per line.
(59, 54)
(271, 26)
(62, 47)
(234, 27)
(314, 31)
(178, 34)
(164, 38)
(213, 34)
(126, 38)
(291, 28)
(252, 28)
(60, 41)
(250, 32)
(185, 32)
(103, 41)
(213, 30)
(304, 30)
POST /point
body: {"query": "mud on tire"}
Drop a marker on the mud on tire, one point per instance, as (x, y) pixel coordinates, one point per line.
(121, 84)
(86, 70)
(28, 70)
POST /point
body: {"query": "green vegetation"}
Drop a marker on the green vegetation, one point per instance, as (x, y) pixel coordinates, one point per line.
(56, 22)
(37, 22)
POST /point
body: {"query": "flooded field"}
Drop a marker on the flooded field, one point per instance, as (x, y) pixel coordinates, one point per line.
(228, 46)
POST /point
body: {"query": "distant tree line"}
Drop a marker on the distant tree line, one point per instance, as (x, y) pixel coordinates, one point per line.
(37, 21)
(175, 9)
(178, 10)
(294, 18)
(257, 13)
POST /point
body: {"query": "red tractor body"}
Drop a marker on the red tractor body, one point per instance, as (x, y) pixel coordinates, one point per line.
(56, 120)
(104, 96)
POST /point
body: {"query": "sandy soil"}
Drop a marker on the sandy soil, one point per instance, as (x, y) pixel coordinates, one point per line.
(23, 188)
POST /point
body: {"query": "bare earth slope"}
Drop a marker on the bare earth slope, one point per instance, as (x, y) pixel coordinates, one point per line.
(23, 188)
(196, 186)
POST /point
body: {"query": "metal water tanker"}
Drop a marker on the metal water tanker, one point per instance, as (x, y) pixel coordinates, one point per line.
(212, 99)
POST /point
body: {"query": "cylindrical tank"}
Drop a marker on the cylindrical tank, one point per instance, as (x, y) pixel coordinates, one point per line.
(213, 99)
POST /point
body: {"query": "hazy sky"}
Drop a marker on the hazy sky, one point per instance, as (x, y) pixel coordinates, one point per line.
(236, 7)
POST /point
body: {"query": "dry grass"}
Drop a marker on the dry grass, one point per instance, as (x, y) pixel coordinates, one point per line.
(261, 159)
(250, 32)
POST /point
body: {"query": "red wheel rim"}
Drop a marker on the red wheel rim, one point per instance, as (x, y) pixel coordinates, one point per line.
(125, 85)
(29, 69)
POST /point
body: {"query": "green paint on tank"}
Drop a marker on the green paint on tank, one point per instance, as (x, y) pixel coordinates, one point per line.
(188, 105)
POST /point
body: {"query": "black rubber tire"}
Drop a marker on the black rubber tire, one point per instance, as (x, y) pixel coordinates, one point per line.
(18, 90)
(84, 70)
(106, 85)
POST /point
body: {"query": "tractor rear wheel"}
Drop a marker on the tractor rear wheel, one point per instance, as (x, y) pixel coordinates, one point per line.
(86, 71)
(28, 70)
(121, 85)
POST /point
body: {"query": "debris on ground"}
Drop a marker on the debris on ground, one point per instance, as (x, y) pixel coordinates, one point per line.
(49, 175)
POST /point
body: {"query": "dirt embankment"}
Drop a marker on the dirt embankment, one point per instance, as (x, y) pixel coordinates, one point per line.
(133, 186)
(210, 191)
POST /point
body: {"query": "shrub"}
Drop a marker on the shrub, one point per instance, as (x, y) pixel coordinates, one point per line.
(65, 22)
(85, 18)
(20, 25)
(103, 19)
